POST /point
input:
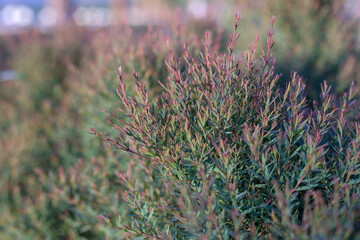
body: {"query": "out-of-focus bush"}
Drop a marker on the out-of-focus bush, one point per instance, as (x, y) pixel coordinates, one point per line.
(63, 203)
(229, 154)
(33, 131)
(32, 126)
(316, 38)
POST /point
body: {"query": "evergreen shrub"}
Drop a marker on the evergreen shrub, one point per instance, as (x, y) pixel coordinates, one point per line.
(226, 153)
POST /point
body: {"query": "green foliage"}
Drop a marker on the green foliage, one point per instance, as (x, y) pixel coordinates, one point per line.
(316, 38)
(224, 152)
(228, 154)
(323, 39)
(62, 204)
(66, 77)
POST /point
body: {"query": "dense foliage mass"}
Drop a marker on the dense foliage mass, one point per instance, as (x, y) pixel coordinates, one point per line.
(213, 145)
(228, 154)
(56, 177)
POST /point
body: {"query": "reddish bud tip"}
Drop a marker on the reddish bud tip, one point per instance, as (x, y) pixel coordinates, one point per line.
(273, 18)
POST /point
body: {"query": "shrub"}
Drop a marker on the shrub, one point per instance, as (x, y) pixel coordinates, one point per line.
(225, 153)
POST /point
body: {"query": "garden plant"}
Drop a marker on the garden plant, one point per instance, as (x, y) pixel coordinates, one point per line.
(226, 153)
(202, 141)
